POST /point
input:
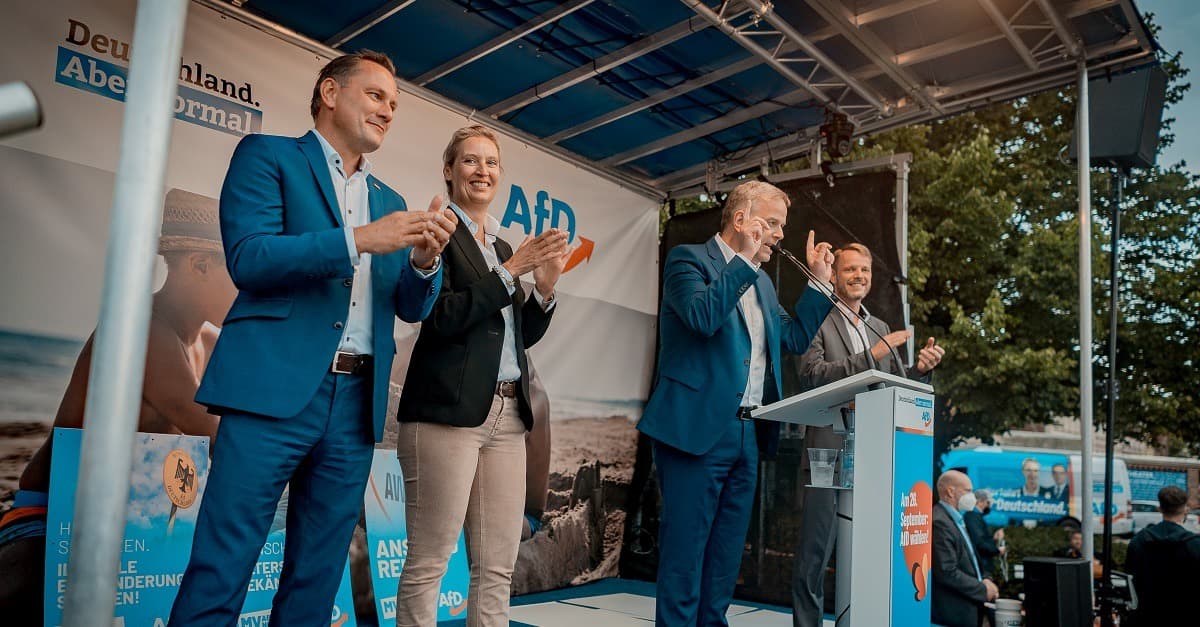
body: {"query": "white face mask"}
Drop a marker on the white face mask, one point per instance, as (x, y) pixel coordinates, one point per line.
(966, 502)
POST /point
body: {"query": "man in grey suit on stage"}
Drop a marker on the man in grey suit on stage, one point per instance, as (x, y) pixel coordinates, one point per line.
(838, 351)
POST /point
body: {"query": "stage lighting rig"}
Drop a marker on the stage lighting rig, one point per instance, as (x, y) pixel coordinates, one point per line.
(837, 133)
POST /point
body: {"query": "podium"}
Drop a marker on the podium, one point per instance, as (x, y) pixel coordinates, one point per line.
(885, 522)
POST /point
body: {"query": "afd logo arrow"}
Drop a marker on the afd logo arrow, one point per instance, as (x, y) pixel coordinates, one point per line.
(581, 254)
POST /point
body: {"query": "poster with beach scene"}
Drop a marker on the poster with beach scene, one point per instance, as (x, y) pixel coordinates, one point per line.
(166, 487)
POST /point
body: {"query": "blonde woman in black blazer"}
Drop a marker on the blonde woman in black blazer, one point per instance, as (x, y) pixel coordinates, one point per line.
(464, 410)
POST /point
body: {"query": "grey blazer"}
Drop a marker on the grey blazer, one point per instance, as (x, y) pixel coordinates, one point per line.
(831, 357)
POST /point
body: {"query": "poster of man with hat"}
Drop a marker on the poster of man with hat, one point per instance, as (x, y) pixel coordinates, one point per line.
(193, 300)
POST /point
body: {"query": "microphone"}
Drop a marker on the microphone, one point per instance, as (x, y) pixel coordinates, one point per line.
(828, 294)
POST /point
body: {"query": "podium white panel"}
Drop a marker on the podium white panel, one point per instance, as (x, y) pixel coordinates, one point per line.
(819, 407)
(885, 523)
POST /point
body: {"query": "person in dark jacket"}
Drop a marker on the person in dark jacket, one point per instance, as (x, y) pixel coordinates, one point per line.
(1164, 559)
(959, 588)
(465, 408)
(985, 545)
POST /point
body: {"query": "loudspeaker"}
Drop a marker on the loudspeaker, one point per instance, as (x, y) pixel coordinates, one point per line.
(1125, 112)
(1058, 592)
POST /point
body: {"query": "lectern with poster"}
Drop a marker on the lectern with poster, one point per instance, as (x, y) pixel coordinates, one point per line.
(885, 521)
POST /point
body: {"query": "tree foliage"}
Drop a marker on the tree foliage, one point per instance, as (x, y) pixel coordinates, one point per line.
(994, 242)
(993, 272)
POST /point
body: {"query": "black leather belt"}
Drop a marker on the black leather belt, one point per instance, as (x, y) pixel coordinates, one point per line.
(507, 389)
(351, 363)
(743, 413)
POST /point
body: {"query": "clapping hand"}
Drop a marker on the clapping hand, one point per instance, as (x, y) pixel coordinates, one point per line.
(440, 222)
(535, 251)
(546, 275)
(426, 231)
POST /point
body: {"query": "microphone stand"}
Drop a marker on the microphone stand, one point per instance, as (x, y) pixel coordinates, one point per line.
(825, 291)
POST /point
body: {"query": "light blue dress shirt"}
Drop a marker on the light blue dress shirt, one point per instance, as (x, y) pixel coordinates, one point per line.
(510, 370)
(354, 204)
(962, 529)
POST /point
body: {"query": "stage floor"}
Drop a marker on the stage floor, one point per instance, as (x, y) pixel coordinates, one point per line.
(620, 602)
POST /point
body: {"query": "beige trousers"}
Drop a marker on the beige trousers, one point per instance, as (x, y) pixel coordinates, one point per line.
(470, 479)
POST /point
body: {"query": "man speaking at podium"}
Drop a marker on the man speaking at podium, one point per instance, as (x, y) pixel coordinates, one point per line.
(721, 332)
(839, 350)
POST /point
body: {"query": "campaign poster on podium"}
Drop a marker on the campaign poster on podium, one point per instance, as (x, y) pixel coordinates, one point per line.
(166, 487)
(387, 545)
(912, 535)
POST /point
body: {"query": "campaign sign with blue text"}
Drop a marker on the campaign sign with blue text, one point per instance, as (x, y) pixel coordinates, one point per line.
(912, 528)
(1147, 483)
(387, 545)
(166, 486)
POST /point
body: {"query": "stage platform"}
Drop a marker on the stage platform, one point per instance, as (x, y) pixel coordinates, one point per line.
(619, 603)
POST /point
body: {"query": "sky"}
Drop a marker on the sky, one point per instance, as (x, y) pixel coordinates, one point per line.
(1180, 22)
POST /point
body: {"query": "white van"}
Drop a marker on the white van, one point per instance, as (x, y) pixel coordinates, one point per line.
(1039, 487)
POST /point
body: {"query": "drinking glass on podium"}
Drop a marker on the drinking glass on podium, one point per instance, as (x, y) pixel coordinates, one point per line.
(821, 461)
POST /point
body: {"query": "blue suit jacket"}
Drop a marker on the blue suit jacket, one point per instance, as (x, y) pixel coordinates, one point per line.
(704, 357)
(286, 251)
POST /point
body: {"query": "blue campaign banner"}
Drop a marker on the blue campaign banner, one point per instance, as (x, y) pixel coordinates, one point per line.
(169, 475)
(87, 73)
(1145, 484)
(264, 580)
(912, 531)
(166, 487)
(387, 545)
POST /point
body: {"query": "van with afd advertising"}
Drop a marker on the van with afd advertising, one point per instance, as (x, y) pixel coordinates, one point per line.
(1038, 487)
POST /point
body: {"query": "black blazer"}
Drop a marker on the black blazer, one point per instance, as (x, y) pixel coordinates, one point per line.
(985, 544)
(957, 595)
(452, 374)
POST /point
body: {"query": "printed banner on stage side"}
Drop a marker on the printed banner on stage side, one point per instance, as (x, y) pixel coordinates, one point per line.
(166, 488)
(387, 545)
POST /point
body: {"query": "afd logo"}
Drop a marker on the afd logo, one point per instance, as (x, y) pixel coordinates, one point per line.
(926, 418)
(339, 617)
(547, 213)
(454, 600)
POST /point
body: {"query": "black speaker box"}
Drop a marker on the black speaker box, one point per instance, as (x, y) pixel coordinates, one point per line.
(1058, 592)
(1125, 112)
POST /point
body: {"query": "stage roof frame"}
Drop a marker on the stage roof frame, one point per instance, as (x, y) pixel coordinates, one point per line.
(665, 96)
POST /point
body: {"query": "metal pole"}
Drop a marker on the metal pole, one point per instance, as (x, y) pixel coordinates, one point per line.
(1085, 310)
(902, 170)
(118, 362)
(1113, 390)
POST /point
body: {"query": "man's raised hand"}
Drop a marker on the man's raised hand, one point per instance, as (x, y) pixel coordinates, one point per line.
(819, 257)
(930, 356)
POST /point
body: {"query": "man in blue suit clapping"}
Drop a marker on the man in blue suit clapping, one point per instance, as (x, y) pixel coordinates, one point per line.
(324, 256)
(722, 330)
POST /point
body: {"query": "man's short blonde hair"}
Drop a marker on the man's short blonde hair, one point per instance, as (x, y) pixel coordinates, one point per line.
(854, 246)
(747, 195)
